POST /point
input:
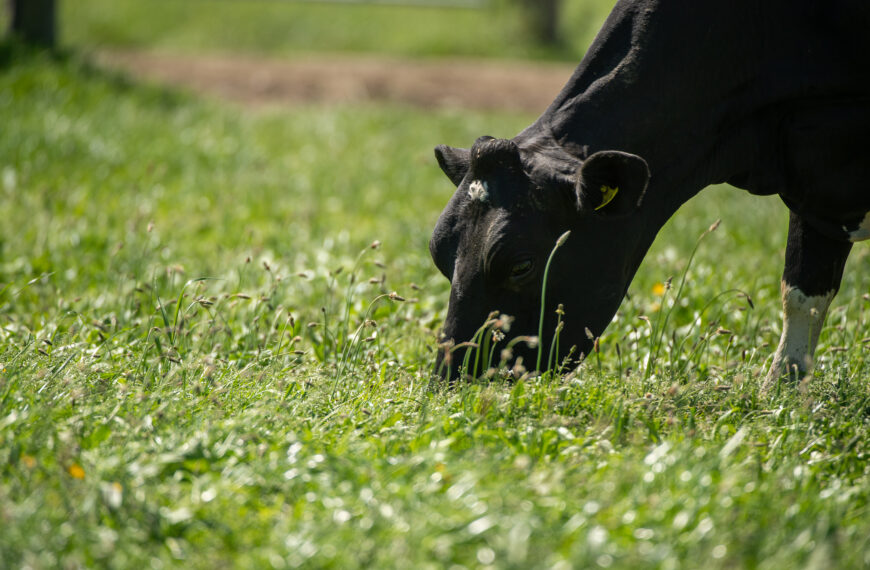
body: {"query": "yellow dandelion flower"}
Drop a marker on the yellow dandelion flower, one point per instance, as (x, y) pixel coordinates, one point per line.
(658, 289)
(75, 471)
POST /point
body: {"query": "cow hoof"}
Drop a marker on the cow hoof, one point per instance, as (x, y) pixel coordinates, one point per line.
(785, 371)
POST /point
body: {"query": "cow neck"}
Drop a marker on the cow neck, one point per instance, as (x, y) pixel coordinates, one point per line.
(641, 89)
(700, 90)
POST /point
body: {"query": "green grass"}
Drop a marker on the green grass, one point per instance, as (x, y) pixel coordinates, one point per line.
(160, 407)
(295, 28)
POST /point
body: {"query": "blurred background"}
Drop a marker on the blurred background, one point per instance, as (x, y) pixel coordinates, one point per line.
(424, 52)
(558, 29)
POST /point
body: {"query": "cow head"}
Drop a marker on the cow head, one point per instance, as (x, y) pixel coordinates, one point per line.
(494, 238)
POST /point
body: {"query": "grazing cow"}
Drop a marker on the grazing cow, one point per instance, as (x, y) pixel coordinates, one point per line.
(771, 96)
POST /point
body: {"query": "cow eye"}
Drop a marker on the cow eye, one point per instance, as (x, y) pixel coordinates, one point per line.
(521, 269)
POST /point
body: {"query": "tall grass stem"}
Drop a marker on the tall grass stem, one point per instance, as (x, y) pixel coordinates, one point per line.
(559, 243)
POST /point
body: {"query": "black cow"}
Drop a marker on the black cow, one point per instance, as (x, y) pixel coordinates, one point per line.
(772, 96)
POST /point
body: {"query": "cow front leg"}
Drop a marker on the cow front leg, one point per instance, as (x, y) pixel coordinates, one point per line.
(813, 269)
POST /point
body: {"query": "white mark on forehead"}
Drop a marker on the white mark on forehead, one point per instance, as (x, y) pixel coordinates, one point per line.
(862, 232)
(477, 191)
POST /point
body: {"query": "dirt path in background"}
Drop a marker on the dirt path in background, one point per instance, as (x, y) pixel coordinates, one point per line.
(519, 86)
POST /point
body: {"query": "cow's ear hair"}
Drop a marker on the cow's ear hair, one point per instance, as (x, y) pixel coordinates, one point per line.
(453, 161)
(611, 183)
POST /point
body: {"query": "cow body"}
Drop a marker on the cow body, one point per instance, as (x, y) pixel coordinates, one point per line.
(772, 96)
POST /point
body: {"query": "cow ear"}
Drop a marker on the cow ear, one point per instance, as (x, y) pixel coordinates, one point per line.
(612, 183)
(453, 161)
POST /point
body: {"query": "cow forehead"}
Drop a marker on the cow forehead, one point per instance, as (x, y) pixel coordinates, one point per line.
(495, 226)
(484, 232)
(505, 191)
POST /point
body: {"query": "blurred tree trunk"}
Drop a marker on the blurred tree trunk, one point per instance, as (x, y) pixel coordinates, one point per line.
(544, 20)
(33, 21)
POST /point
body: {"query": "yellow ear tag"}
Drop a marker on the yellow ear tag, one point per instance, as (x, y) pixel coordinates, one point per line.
(607, 195)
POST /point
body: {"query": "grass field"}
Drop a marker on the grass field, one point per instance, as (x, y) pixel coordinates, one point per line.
(282, 27)
(201, 365)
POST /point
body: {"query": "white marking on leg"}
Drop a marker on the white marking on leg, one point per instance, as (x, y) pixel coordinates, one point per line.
(862, 232)
(802, 320)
